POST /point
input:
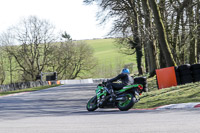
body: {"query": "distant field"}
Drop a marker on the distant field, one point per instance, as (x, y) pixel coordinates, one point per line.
(108, 54)
(106, 51)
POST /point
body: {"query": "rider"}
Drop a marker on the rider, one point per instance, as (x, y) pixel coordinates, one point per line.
(125, 78)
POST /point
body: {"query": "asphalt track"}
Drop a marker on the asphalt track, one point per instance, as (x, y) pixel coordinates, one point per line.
(62, 110)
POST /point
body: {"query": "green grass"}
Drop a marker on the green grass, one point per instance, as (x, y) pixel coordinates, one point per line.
(27, 90)
(110, 60)
(179, 94)
(106, 52)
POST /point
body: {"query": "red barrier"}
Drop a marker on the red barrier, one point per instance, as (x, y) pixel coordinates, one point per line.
(166, 77)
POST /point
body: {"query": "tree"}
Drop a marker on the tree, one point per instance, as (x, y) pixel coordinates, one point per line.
(66, 36)
(193, 54)
(173, 34)
(34, 37)
(150, 43)
(126, 24)
(6, 38)
(2, 69)
(72, 60)
(166, 51)
(198, 30)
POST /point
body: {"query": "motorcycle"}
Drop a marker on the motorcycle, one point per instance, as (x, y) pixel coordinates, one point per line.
(124, 100)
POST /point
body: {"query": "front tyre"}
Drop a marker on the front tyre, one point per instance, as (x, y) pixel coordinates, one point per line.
(127, 104)
(92, 104)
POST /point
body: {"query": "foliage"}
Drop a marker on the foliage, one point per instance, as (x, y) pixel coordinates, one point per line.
(2, 71)
(71, 59)
(167, 30)
(30, 48)
(66, 36)
(34, 37)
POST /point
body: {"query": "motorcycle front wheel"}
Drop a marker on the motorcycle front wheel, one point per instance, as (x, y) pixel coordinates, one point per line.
(127, 104)
(92, 104)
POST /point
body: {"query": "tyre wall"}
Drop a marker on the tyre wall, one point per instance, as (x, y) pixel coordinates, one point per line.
(195, 71)
(187, 73)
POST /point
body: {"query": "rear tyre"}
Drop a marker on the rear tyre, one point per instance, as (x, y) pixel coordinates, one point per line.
(92, 104)
(127, 104)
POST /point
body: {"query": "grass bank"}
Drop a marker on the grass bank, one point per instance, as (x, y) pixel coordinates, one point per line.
(27, 90)
(178, 94)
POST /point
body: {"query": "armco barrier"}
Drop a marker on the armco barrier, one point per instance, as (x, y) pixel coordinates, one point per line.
(98, 80)
(82, 81)
(22, 85)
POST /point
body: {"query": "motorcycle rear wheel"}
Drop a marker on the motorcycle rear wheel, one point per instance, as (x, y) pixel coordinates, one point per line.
(127, 104)
(92, 104)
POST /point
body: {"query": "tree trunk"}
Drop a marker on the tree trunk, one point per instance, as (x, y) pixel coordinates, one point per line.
(182, 42)
(198, 30)
(10, 69)
(179, 12)
(192, 38)
(162, 35)
(137, 42)
(151, 46)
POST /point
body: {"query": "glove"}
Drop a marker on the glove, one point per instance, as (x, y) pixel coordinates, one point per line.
(104, 82)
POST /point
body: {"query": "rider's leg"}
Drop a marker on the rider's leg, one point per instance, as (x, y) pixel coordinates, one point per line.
(110, 89)
(117, 86)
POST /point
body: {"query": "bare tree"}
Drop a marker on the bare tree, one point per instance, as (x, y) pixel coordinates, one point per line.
(2, 69)
(126, 24)
(198, 30)
(193, 47)
(162, 34)
(34, 37)
(72, 60)
(150, 43)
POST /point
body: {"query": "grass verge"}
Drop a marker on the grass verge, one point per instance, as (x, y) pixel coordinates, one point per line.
(27, 90)
(173, 95)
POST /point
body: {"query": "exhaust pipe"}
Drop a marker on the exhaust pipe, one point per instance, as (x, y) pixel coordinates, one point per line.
(120, 99)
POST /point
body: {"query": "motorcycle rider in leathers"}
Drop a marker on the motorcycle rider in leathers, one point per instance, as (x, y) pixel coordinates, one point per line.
(125, 78)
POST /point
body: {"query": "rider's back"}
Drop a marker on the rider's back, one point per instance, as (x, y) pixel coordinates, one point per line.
(125, 78)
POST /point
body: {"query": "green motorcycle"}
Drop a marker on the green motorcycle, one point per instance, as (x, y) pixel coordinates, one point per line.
(124, 100)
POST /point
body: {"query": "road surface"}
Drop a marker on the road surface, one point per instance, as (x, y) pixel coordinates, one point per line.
(62, 110)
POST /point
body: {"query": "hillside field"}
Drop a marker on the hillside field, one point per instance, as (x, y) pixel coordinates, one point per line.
(109, 56)
(106, 51)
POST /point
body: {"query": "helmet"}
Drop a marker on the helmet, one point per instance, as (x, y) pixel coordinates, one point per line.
(126, 71)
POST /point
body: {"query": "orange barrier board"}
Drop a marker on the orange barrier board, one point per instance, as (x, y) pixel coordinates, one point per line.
(49, 82)
(166, 77)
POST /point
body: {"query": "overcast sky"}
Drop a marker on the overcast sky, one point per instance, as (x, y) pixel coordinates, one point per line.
(71, 16)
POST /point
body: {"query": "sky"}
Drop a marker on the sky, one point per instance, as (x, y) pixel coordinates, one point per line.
(72, 16)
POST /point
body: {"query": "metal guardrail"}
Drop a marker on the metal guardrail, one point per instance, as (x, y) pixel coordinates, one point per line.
(22, 85)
